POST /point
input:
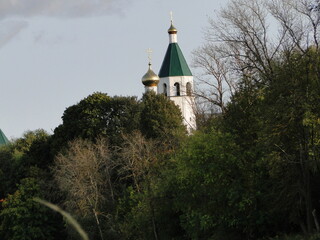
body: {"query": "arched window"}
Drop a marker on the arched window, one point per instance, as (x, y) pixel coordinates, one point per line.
(165, 89)
(189, 89)
(177, 88)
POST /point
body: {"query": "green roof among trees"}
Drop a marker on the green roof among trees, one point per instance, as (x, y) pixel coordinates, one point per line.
(3, 139)
(174, 63)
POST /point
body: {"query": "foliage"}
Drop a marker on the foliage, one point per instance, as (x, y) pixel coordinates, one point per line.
(217, 188)
(83, 173)
(31, 150)
(24, 219)
(29, 138)
(66, 215)
(97, 115)
(161, 118)
(273, 114)
(251, 172)
(7, 173)
(291, 135)
(138, 158)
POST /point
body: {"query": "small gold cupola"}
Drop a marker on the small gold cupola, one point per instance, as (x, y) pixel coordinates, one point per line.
(172, 29)
(150, 79)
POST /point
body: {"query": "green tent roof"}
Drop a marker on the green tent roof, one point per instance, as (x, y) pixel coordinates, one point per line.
(3, 139)
(174, 63)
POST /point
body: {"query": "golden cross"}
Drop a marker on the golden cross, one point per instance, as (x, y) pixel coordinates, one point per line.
(149, 51)
(171, 16)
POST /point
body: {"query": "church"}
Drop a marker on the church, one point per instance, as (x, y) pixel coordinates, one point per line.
(175, 80)
(3, 139)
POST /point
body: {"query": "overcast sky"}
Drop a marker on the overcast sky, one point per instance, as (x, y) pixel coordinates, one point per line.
(53, 53)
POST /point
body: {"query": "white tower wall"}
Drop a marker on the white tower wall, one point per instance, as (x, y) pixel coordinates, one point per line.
(173, 38)
(150, 88)
(183, 98)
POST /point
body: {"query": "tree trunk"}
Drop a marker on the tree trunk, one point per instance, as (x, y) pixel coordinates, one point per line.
(98, 223)
(153, 221)
(314, 214)
(306, 185)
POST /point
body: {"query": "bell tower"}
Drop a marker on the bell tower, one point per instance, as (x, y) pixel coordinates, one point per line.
(176, 80)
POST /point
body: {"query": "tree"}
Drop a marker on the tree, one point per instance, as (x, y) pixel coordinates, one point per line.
(242, 44)
(24, 165)
(24, 143)
(98, 115)
(139, 160)
(23, 218)
(215, 83)
(273, 113)
(217, 189)
(291, 134)
(83, 173)
(161, 118)
(31, 150)
(138, 157)
(7, 171)
(277, 124)
(34, 148)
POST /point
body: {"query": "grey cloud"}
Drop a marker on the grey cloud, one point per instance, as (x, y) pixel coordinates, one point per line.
(9, 29)
(45, 38)
(59, 8)
(39, 36)
(23, 9)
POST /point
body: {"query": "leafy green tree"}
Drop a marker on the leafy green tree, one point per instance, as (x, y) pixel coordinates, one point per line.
(276, 123)
(24, 143)
(98, 115)
(217, 189)
(23, 218)
(117, 119)
(32, 149)
(273, 114)
(143, 157)
(161, 118)
(291, 135)
(29, 157)
(7, 171)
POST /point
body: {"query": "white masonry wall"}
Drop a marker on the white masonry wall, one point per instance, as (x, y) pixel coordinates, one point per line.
(185, 102)
(152, 88)
(173, 38)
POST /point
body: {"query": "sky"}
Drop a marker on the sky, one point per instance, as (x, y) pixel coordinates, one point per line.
(53, 53)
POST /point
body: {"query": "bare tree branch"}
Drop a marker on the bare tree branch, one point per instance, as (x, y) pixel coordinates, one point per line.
(242, 44)
(81, 173)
